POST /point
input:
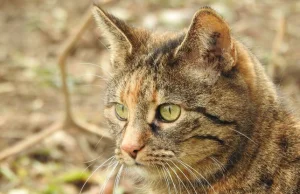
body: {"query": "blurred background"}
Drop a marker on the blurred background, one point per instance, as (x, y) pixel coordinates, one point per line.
(32, 33)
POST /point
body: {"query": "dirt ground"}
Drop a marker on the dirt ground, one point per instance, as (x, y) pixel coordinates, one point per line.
(32, 34)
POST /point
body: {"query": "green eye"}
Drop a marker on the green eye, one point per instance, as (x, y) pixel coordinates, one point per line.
(121, 112)
(169, 112)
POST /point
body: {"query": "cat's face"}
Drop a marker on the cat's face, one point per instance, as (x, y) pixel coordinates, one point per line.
(176, 100)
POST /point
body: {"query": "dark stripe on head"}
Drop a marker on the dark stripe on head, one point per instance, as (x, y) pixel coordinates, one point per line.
(166, 47)
(213, 118)
(187, 126)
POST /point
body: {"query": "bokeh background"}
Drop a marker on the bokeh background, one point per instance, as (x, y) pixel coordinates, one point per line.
(32, 33)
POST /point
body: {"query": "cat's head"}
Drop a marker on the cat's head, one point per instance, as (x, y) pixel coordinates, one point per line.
(177, 99)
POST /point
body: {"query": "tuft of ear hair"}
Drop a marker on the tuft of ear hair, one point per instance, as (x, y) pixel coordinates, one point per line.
(124, 40)
(115, 31)
(208, 39)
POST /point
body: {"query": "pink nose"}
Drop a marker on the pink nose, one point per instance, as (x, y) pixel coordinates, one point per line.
(132, 149)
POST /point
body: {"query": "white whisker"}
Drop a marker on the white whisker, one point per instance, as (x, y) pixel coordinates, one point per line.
(91, 64)
(108, 178)
(92, 160)
(118, 179)
(99, 39)
(171, 179)
(192, 173)
(166, 179)
(98, 143)
(91, 74)
(178, 179)
(244, 135)
(189, 167)
(109, 159)
(185, 176)
(219, 164)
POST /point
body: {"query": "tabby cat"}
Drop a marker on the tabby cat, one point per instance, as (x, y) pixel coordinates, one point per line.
(194, 111)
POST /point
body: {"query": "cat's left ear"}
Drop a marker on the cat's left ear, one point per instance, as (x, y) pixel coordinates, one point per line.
(208, 42)
(124, 40)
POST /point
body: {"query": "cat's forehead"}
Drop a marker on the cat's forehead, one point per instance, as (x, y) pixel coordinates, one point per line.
(137, 85)
(159, 49)
(154, 76)
(141, 77)
(164, 44)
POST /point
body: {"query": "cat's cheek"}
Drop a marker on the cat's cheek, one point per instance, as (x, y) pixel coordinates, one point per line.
(195, 150)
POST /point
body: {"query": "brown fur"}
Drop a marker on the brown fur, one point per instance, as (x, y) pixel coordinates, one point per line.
(234, 134)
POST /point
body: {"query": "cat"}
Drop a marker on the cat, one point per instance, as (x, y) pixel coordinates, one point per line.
(195, 112)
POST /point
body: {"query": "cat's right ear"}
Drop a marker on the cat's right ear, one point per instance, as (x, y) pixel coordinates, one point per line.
(123, 39)
(208, 42)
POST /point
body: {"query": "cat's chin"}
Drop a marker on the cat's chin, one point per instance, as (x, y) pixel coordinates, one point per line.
(145, 171)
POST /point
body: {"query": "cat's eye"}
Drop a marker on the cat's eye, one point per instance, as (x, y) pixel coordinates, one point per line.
(169, 112)
(121, 112)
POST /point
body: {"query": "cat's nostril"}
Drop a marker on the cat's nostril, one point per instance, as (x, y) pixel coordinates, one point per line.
(135, 151)
(132, 150)
(134, 154)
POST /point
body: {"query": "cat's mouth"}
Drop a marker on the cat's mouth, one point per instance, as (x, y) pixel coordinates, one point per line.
(138, 164)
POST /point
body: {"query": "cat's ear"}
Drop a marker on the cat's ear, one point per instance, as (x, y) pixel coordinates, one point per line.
(208, 39)
(123, 39)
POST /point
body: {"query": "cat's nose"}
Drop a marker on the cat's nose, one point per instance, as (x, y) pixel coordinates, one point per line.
(134, 140)
(132, 149)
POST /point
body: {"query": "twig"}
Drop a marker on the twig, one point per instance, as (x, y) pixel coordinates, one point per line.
(278, 40)
(30, 141)
(91, 128)
(66, 49)
(69, 122)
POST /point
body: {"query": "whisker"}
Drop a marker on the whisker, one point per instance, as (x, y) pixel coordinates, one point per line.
(171, 179)
(106, 47)
(98, 142)
(118, 179)
(92, 160)
(91, 64)
(101, 67)
(166, 179)
(160, 176)
(184, 176)
(244, 135)
(181, 182)
(188, 166)
(108, 178)
(99, 76)
(192, 173)
(109, 159)
(219, 164)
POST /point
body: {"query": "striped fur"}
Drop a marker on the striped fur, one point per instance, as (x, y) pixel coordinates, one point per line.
(234, 131)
